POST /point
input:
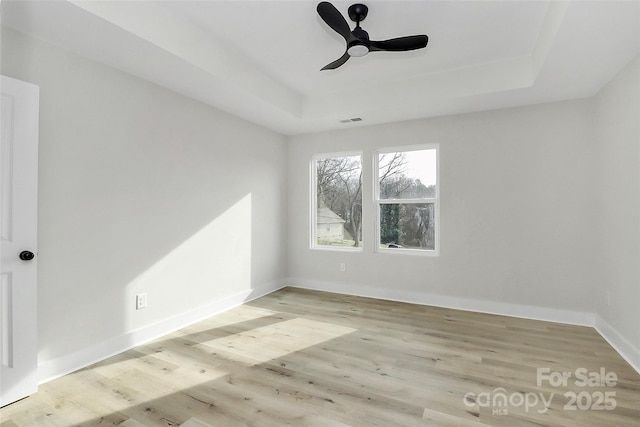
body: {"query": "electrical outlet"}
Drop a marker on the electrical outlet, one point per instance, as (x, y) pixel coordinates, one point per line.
(141, 301)
(343, 266)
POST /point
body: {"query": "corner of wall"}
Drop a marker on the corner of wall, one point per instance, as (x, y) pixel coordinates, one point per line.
(616, 131)
(624, 348)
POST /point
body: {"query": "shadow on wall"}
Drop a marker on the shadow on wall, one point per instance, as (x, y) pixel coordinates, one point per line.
(186, 223)
(216, 261)
(149, 246)
(141, 190)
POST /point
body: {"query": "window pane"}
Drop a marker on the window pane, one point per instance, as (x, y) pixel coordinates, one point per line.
(339, 201)
(410, 225)
(407, 174)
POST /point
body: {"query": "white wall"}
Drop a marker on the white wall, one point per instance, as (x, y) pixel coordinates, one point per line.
(142, 190)
(617, 173)
(517, 214)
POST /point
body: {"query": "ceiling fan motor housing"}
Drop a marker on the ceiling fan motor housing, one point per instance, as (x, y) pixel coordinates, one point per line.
(359, 46)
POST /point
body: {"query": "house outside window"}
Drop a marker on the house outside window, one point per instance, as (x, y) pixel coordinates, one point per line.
(404, 195)
(337, 201)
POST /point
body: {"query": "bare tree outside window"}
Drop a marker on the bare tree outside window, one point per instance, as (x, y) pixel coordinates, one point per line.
(339, 201)
(406, 199)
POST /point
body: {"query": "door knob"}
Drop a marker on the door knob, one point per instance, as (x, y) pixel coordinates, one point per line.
(26, 255)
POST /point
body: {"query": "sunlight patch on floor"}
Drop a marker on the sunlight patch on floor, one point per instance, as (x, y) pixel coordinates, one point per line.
(240, 314)
(271, 342)
(194, 422)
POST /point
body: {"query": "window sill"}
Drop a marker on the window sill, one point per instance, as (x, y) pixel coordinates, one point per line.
(411, 252)
(336, 248)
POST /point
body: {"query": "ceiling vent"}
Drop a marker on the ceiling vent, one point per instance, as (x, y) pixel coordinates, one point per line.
(355, 119)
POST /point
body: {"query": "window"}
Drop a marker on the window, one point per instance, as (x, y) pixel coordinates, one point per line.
(406, 199)
(337, 201)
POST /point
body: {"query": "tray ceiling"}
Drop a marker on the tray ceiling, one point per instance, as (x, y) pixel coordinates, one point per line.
(261, 60)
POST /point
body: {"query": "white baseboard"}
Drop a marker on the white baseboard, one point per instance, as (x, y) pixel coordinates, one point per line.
(624, 348)
(52, 369)
(423, 298)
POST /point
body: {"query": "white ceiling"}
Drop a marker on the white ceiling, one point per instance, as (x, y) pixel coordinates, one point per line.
(261, 60)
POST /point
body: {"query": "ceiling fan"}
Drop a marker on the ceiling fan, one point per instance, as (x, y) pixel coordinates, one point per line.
(358, 43)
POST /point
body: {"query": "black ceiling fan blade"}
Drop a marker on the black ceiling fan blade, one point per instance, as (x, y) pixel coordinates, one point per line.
(400, 44)
(338, 62)
(334, 19)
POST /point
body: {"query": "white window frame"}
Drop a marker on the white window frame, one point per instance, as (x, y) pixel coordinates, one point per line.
(377, 201)
(313, 209)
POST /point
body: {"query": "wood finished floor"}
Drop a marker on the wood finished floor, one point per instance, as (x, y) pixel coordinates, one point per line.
(306, 358)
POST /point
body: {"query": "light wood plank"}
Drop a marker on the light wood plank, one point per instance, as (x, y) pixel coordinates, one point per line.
(307, 358)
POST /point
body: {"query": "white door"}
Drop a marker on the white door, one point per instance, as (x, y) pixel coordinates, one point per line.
(18, 220)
